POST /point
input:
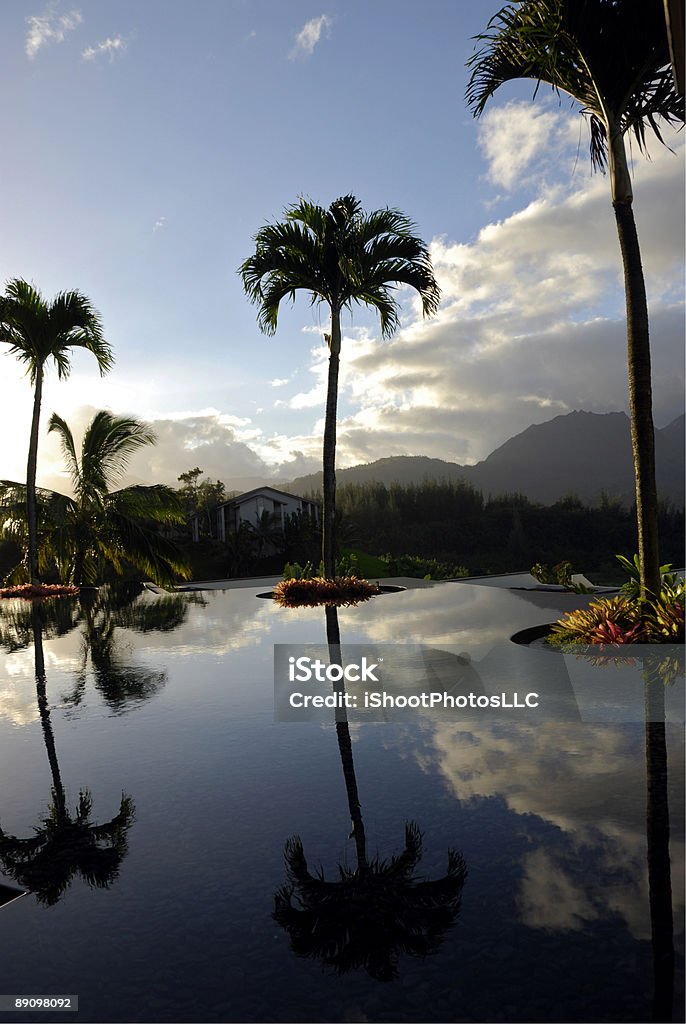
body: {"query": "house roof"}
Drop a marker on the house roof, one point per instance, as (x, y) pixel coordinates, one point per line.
(269, 491)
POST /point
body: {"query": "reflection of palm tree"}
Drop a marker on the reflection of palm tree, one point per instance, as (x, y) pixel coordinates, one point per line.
(376, 910)
(65, 844)
(120, 682)
(657, 832)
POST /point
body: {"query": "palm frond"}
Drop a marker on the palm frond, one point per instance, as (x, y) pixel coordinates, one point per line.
(612, 58)
(57, 425)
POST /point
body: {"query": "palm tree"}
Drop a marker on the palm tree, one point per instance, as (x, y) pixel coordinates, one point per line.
(341, 256)
(38, 331)
(100, 526)
(612, 58)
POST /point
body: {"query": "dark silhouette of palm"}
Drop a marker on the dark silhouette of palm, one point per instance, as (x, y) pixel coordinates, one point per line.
(377, 910)
(373, 913)
(65, 844)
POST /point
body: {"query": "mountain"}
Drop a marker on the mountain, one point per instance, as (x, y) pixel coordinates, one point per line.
(582, 453)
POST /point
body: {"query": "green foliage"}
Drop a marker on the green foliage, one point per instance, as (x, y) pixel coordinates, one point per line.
(200, 498)
(633, 568)
(561, 574)
(422, 568)
(624, 620)
(346, 566)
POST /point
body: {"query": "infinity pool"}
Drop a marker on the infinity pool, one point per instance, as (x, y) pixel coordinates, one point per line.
(150, 804)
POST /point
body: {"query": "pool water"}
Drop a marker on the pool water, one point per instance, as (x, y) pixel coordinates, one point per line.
(149, 799)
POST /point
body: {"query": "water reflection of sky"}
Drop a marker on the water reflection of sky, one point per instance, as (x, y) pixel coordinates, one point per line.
(554, 923)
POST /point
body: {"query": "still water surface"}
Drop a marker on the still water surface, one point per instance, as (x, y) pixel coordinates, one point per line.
(149, 798)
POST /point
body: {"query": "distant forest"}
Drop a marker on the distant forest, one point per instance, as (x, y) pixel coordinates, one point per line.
(451, 522)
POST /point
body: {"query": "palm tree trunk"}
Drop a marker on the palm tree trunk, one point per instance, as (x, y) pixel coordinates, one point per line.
(638, 353)
(31, 511)
(329, 474)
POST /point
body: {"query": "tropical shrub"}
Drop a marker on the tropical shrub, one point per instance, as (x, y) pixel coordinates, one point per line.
(422, 568)
(624, 620)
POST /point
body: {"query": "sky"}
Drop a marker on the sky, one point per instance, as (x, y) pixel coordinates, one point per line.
(145, 144)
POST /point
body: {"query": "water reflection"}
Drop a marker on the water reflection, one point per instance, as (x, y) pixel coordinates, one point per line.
(101, 651)
(65, 843)
(606, 861)
(377, 910)
(122, 683)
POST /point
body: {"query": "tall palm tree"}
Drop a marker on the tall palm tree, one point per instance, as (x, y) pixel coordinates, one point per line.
(38, 331)
(612, 57)
(341, 256)
(100, 526)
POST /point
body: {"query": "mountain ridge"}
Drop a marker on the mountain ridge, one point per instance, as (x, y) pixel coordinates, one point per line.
(582, 453)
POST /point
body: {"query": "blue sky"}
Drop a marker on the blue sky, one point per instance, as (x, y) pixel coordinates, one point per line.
(146, 143)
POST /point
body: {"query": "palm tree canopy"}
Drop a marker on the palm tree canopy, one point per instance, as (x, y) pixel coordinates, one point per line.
(38, 330)
(100, 525)
(612, 56)
(341, 256)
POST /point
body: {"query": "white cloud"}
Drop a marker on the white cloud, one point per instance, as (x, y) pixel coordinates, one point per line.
(279, 382)
(159, 223)
(107, 48)
(309, 35)
(49, 27)
(524, 137)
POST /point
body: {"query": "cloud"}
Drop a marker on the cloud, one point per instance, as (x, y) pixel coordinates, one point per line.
(107, 48)
(279, 382)
(522, 136)
(49, 27)
(159, 223)
(532, 324)
(309, 35)
(594, 867)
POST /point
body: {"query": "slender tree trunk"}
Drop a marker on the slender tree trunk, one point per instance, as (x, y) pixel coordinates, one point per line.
(329, 475)
(31, 511)
(638, 353)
